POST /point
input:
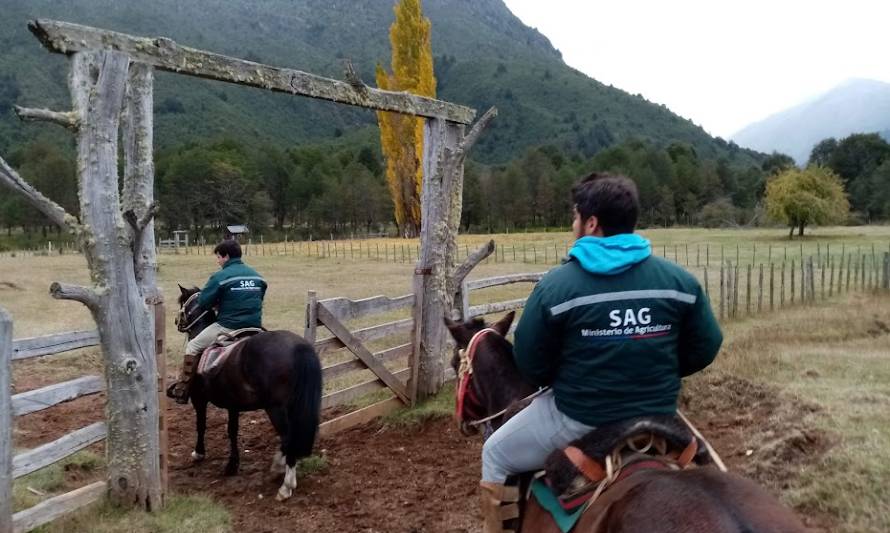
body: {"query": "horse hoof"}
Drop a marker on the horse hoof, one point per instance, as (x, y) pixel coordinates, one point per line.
(284, 493)
(197, 457)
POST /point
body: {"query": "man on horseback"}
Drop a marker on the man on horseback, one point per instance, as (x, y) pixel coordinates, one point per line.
(611, 331)
(237, 291)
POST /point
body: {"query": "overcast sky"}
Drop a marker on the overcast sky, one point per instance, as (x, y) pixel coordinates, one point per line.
(722, 64)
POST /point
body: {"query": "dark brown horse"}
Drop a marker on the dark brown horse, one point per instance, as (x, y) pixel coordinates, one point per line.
(277, 371)
(658, 500)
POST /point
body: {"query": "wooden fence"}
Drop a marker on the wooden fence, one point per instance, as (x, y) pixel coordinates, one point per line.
(14, 466)
(734, 290)
(351, 370)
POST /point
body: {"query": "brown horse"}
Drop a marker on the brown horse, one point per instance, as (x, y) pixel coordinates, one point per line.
(277, 371)
(648, 500)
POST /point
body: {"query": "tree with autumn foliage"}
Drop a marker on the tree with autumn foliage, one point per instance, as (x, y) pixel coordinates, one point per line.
(401, 136)
(814, 195)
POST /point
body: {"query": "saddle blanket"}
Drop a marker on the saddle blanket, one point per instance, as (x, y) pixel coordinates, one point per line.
(564, 519)
(214, 357)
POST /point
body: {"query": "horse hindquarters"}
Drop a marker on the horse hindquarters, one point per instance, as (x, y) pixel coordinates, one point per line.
(701, 500)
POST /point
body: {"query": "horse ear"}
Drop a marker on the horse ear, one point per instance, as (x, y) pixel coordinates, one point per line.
(182, 290)
(460, 333)
(502, 326)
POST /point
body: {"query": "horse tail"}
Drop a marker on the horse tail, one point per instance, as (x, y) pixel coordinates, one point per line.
(304, 406)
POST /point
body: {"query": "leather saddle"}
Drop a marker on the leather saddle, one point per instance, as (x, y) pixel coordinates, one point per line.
(588, 466)
(226, 343)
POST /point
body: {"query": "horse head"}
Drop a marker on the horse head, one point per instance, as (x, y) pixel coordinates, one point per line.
(190, 319)
(488, 380)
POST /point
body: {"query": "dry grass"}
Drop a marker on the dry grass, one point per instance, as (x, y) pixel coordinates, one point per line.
(838, 357)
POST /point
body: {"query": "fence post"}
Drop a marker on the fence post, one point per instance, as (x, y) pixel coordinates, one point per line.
(782, 287)
(309, 333)
(831, 278)
(885, 283)
(760, 290)
(771, 287)
(722, 290)
(792, 281)
(417, 330)
(707, 289)
(161, 358)
(5, 422)
(735, 291)
(812, 280)
(748, 292)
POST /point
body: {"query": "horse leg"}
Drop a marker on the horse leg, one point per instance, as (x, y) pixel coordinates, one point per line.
(201, 426)
(278, 417)
(234, 459)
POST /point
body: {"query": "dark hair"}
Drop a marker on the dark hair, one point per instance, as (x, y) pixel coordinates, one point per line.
(613, 199)
(229, 248)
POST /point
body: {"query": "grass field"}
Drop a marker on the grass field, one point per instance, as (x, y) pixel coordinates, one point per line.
(835, 354)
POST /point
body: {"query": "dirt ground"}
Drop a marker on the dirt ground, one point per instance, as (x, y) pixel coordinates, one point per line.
(423, 478)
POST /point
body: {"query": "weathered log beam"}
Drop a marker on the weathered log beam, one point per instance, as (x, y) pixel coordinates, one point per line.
(67, 119)
(53, 211)
(165, 54)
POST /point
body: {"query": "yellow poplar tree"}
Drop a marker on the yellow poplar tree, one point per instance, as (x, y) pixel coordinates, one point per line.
(401, 136)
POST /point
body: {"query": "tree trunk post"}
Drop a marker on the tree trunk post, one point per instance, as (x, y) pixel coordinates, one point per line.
(441, 140)
(124, 320)
(6, 452)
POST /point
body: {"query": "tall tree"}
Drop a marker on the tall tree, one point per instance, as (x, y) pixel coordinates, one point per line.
(814, 195)
(401, 136)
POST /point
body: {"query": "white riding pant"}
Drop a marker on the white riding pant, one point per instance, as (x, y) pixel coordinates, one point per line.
(204, 339)
(523, 443)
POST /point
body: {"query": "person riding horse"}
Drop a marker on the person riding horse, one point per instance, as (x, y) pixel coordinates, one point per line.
(611, 331)
(238, 291)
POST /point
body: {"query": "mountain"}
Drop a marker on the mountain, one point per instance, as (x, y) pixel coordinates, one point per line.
(484, 56)
(856, 106)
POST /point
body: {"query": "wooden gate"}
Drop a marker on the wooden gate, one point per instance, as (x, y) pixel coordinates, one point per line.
(352, 370)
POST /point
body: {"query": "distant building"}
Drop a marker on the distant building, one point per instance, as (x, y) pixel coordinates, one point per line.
(236, 232)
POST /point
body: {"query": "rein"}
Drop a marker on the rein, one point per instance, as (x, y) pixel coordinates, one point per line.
(465, 372)
(182, 316)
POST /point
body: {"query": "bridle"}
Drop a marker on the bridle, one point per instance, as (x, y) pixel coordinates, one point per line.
(464, 389)
(181, 318)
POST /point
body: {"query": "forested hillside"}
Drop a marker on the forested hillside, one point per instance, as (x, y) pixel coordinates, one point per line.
(483, 56)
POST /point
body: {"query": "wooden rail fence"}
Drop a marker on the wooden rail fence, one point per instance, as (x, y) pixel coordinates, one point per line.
(350, 369)
(14, 466)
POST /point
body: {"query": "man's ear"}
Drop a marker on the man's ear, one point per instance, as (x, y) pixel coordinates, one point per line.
(459, 332)
(502, 326)
(591, 225)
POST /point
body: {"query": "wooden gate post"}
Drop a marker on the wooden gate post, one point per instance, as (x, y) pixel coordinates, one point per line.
(161, 356)
(435, 261)
(5, 422)
(445, 149)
